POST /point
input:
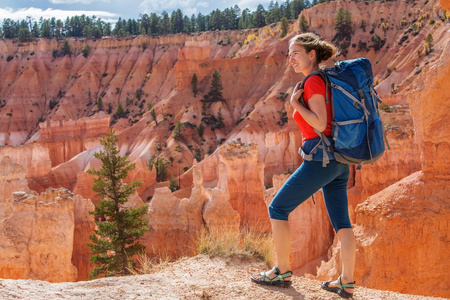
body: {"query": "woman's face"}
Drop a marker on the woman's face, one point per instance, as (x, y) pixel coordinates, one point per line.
(300, 60)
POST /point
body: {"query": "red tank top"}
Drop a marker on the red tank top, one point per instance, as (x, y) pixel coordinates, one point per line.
(313, 85)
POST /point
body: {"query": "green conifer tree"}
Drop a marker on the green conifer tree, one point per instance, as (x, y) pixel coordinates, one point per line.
(66, 49)
(160, 166)
(100, 103)
(303, 24)
(284, 27)
(173, 185)
(215, 92)
(200, 130)
(194, 83)
(153, 114)
(116, 239)
(344, 30)
(177, 130)
(220, 123)
(120, 113)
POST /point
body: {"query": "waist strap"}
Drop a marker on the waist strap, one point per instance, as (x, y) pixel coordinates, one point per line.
(324, 144)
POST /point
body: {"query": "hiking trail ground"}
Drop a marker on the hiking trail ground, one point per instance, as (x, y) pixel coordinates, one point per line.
(197, 277)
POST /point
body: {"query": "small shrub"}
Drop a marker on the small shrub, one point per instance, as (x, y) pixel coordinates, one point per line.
(9, 58)
(282, 96)
(86, 50)
(385, 107)
(173, 185)
(52, 104)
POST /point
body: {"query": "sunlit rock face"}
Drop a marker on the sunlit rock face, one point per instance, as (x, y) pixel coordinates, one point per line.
(37, 234)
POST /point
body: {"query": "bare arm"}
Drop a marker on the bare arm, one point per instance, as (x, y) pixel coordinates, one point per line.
(316, 116)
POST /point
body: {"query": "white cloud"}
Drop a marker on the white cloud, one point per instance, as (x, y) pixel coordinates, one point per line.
(250, 4)
(190, 11)
(76, 1)
(157, 6)
(202, 4)
(36, 13)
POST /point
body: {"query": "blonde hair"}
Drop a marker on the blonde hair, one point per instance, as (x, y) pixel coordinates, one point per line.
(311, 41)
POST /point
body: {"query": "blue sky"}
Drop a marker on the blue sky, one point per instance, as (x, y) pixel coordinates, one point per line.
(111, 10)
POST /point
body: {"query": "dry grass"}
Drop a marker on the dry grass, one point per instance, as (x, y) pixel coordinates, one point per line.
(147, 265)
(248, 243)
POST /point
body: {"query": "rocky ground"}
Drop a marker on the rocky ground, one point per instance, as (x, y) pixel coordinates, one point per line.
(198, 277)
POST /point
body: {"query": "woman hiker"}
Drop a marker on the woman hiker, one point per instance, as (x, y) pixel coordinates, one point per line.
(306, 52)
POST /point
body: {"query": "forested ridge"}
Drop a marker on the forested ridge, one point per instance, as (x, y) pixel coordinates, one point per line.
(233, 18)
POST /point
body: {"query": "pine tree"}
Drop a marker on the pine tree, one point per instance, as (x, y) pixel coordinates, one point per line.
(344, 31)
(160, 166)
(173, 185)
(153, 114)
(429, 40)
(376, 42)
(177, 130)
(24, 35)
(120, 113)
(100, 103)
(284, 25)
(194, 83)
(259, 17)
(200, 130)
(215, 92)
(303, 24)
(86, 50)
(66, 49)
(220, 123)
(116, 239)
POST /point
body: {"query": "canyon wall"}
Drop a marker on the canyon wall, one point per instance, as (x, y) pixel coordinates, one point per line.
(51, 123)
(37, 236)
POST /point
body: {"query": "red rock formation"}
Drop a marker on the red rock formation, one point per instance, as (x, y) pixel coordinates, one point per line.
(219, 215)
(67, 139)
(168, 224)
(83, 227)
(19, 165)
(175, 224)
(27, 221)
(241, 176)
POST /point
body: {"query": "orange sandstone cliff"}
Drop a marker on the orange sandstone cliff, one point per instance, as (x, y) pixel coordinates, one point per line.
(51, 122)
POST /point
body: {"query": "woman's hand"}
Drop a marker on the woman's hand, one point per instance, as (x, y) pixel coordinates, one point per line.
(296, 93)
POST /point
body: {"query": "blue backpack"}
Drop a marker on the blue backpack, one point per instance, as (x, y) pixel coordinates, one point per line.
(357, 132)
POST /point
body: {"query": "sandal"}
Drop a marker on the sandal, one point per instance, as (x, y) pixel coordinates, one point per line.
(339, 289)
(277, 280)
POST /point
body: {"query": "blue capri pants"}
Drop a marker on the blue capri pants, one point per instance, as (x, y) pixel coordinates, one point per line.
(305, 181)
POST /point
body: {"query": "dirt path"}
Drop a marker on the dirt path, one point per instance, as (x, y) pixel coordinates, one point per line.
(191, 278)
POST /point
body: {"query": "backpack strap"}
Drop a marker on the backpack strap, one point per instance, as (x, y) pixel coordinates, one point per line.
(374, 93)
(323, 75)
(323, 142)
